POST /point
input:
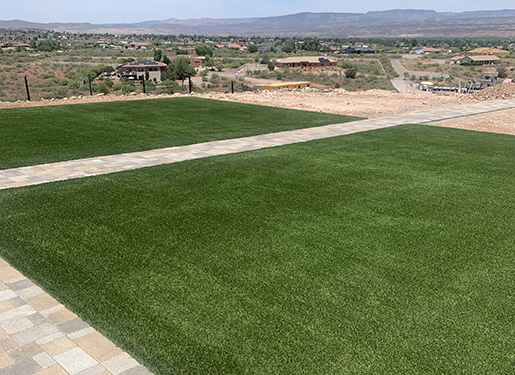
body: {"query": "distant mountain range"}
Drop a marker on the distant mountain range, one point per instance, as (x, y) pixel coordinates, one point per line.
(390, 23)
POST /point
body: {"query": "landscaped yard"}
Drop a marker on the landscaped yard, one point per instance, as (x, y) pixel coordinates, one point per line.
(385, 252)
(47, 134)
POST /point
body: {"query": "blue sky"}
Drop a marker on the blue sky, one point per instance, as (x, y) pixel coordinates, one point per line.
(104, 11)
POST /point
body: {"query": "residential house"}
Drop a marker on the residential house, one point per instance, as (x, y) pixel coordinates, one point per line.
(352, 50)
(197, 61)
(137, 45)
(307, 62)
(476, 60)
(13, 45)
(139, 69)
(427, 50)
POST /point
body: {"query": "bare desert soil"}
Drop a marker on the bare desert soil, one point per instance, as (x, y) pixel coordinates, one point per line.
(369, 104)
(497, 122)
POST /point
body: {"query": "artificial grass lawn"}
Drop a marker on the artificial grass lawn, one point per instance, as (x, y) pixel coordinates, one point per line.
(385, 252)
(48, 134)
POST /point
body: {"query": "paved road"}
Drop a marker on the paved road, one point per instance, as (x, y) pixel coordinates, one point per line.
(404, 85)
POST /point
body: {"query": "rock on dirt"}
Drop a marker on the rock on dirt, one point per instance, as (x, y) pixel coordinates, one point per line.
(497, 92)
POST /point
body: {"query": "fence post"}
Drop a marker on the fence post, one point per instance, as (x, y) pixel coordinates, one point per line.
(27, 88)
(190, 84)
(89, 80)
(232, 87)
(144, 88)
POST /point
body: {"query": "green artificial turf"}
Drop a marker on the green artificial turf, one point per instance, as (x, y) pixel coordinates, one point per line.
(47, 134)
(385, 252)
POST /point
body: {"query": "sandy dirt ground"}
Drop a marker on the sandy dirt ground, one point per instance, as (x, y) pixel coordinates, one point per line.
(497, 122)
(369, 104)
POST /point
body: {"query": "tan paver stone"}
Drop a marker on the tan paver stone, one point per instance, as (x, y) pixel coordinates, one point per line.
(58, 346)
(52, 310)
(54, 370)
(10, 275)
(6, 344)
(5, 360)
(78, 334)
(6, 306)
(98, 346)
(50, 338)
(120, 363)
(44, 360)
(2, 333)
(62, 316)
(6, 295)
(25, 351)
(105, 373)
(42, 302)
(3, 287)
(30, 292)
(75, 360)
(16, 325)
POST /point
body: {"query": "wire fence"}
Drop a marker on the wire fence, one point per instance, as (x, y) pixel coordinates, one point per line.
(23, 89)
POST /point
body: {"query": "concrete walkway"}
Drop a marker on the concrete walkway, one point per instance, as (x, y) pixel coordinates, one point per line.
(39, 174)
(39, 336)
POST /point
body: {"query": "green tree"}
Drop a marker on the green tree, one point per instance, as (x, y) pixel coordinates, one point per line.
(253, 48)
(311, 45)
(182, 68)
(265, 59)
(289, 46)
(158, 54)
(209, 61)
(203, 50)
(271, 65)
(166, 60)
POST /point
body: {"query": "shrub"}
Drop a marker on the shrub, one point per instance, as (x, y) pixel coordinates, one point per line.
(170, 87)
(101, 87)
(128, 87)
(351, 73)
(501, 71)
(215, 79)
